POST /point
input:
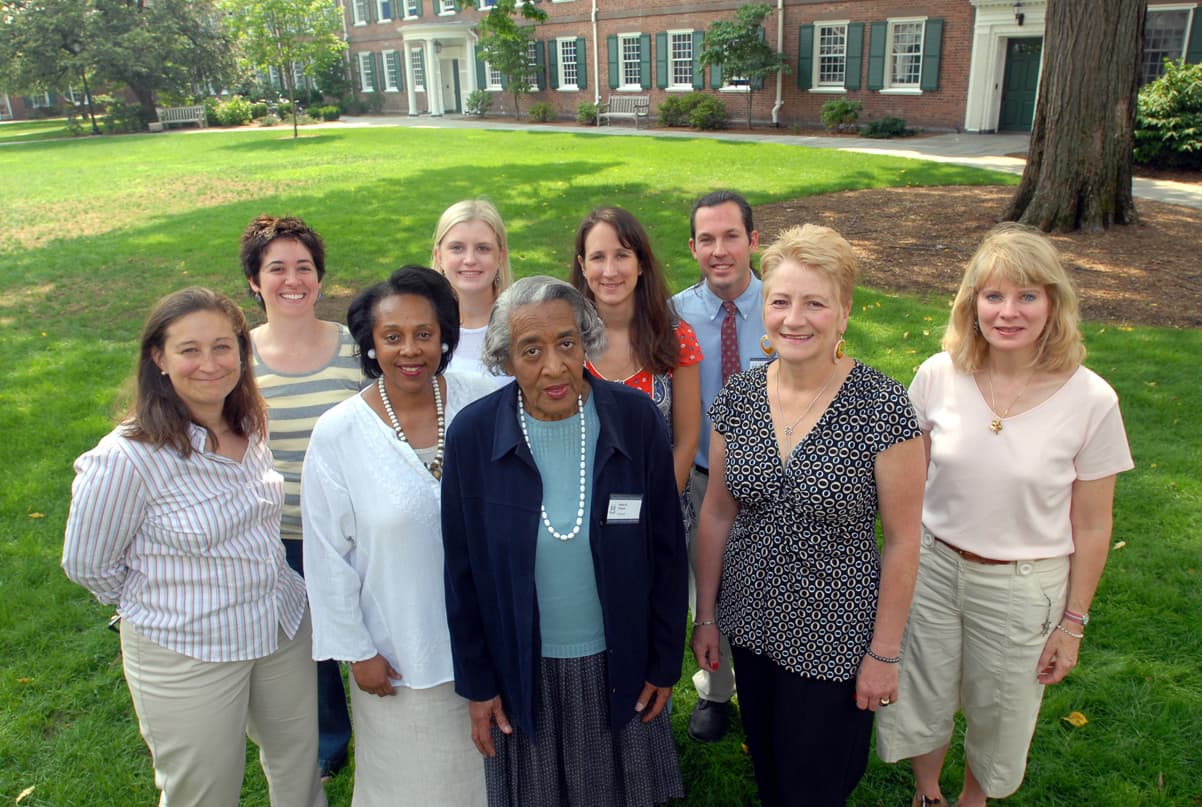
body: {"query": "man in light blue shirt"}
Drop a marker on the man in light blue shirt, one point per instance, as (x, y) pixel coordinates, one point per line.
(723, 236)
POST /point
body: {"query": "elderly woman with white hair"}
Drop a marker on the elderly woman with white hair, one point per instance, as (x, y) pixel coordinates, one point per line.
(566, 566)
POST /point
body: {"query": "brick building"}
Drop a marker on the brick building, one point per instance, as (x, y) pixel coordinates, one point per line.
(969, 65)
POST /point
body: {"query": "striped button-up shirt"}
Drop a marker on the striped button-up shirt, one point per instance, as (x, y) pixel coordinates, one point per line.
(188, 549)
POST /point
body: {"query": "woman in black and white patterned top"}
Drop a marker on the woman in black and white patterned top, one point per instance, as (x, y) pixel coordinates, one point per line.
(805, 453)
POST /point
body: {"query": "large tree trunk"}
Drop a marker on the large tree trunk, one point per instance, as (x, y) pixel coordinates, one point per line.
(1078, 173)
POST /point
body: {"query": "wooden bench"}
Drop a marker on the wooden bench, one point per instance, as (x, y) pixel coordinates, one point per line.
(179, 114)
(624, 107)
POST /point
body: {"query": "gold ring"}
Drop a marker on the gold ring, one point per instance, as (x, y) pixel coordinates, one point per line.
(885, 701)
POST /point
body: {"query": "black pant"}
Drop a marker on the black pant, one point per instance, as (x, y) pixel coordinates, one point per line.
(808, 741)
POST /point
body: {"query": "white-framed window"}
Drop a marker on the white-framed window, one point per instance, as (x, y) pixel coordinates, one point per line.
(410, 9)
(417, 70)
(1166, 30)
(830, 55)
(392, 71)
(629, 62)
(367, 71)
(41, 100)
(485, 4)
(360, 14)
(903, 59)
(299, 79)
(274, 78)
(532, 65)
(680, 60)
(383, 10)
(446, 6)
(568, 78)
(492, 78)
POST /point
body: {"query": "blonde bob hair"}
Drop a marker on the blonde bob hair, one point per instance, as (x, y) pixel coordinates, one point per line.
(475, 210)
(1024, 256)
(819, 248)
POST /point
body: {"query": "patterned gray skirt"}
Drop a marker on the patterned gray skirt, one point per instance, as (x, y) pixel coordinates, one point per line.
(574, 759)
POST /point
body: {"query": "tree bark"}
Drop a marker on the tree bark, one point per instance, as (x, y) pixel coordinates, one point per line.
(1078, 173)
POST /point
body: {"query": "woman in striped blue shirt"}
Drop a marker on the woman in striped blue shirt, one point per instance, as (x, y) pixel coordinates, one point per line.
(175, 519)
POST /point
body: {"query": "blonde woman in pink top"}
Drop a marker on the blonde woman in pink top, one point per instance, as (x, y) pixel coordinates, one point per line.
(1023, 446)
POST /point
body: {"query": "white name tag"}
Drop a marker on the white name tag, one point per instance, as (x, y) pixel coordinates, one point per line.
(624, 509)
(756, 361)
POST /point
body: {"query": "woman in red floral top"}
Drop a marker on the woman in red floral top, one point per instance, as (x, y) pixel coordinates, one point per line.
(648, 346)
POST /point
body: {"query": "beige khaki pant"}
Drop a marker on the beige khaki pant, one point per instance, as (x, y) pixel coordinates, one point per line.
(195, 717)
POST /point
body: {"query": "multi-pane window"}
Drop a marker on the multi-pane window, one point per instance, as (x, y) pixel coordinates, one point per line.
(359, 12)
(410, 8)
(629, 56)
(831, 61)
(417, 69)
(367, 72)
(567, 64)
(532, 65)
(392, 71)
(488, 3)
(299, 79)
(446, 6)
(905, 54)
(494, 77)
(1164, 38)
(680, 56)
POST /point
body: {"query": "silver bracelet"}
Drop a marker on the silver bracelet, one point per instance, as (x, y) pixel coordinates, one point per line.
(697, 623)
(884, 659)
(1065, 630)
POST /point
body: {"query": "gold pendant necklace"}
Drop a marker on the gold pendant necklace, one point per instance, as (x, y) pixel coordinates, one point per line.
(781, 402)
(995, 425)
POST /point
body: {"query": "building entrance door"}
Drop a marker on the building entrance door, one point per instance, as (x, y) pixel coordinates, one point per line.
(1020, 85)
(450, 85)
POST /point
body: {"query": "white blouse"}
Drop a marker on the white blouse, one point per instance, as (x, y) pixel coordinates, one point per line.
(373, 541)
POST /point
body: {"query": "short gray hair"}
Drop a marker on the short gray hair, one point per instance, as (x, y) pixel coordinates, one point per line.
(498, 339)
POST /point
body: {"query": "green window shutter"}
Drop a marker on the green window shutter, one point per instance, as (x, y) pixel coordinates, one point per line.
(698, 70)
(661, 60)
(481, 78)
(716, 76)
(932, 47)
(757, 83)
(417, 8)
(553, 63)
(581, 65)
(855, 56)
(1193, 51)
(381, 71)
(876, 55)
(400, 72)
(540, 65)
(645, 61)
(611, 45)
(805, 56)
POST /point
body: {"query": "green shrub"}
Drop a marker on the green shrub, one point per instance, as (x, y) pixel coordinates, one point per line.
(120, 115)
(283, 109)
(586, 113)
(1168, 123)
(709, 113)
(375, 103)
(211, 104)
(840, 114)
(233, 111)
(887, 126)
(258, 109)
(478, 103)
(326, 113)
(542, 111)
(353, 105)
(677, 109)
(269, 120)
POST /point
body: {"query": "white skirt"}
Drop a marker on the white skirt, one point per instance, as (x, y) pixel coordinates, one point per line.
(415, 748)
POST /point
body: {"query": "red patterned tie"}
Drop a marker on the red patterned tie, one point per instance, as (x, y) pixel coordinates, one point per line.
(730, 341)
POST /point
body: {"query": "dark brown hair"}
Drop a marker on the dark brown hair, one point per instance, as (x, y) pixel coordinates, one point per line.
(259, 234)
(158, 416)
(653, 328)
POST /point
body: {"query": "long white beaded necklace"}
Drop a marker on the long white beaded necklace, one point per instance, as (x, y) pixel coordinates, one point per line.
(435, 465)
(583, 463)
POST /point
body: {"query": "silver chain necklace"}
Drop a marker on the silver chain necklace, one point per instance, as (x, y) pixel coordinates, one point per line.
(435, 465)
(583, 464)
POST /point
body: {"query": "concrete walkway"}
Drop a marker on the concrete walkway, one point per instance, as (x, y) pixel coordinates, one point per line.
(980, 151)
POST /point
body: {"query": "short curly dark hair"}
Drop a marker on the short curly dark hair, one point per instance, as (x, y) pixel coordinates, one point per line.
(259, 235)
(412, 279)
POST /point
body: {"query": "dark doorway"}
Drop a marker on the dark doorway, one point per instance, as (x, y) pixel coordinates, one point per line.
(1020, 84)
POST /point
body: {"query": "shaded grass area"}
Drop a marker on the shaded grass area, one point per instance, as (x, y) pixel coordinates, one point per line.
(25, 130)
(97, 229)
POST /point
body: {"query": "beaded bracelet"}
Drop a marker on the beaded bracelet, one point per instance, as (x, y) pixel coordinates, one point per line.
(699, 622)
(884, 659)
(1065, 630)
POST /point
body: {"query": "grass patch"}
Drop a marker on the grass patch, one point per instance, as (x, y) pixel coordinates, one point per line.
(98, 228)
(25, 130)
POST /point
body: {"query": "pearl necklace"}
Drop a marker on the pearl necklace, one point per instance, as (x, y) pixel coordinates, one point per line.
(583, 463)
(435, 466)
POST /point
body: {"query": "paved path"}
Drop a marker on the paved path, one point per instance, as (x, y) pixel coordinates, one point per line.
(981, 151)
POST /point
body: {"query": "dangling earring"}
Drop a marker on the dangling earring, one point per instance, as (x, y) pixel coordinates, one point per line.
(766, 345)
(445, 347)
(321, 295)
(371, 353)
(258, 298)
(840, 348)
(976, 326)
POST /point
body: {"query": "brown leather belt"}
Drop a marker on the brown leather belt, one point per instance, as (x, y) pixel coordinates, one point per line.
(972, 557)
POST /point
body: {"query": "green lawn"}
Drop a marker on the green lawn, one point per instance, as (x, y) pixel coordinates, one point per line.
(96, 229)
(22, 131)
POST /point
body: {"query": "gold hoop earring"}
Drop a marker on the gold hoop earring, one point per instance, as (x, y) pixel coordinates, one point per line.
(840, 348)
(766, 345)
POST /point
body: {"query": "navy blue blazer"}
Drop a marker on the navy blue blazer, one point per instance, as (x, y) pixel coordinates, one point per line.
(491, 495)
